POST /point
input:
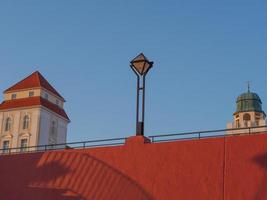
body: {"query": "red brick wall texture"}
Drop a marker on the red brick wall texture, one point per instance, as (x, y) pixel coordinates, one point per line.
(230, 168)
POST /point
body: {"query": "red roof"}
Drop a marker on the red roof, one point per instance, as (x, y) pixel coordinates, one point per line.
(35, 80)
(33, 101)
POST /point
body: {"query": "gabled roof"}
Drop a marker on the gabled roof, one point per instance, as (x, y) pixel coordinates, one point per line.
(33, 101)
(35, 80)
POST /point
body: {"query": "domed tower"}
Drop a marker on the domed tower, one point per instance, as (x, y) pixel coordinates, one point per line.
(249, 112)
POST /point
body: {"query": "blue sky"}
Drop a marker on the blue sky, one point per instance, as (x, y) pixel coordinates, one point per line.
(203, 53)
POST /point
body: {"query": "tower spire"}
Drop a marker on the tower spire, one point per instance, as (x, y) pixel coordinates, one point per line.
(248, 84)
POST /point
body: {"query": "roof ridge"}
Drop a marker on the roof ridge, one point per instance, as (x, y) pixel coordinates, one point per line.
(8, 89)
(36, 79)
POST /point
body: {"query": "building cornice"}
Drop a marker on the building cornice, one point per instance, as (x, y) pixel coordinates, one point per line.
(33, 102)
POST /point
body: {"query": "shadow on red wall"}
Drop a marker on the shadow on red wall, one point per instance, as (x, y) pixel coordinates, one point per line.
(64, 176)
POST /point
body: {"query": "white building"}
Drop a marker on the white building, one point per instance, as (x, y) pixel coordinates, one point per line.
(32, 114)
(249, 114)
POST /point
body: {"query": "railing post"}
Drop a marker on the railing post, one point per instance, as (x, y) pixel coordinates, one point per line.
(84, 144)
(198, 135)
(45, 147)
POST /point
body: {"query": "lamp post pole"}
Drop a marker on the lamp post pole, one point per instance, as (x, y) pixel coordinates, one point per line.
(140, 65)
(140, 92)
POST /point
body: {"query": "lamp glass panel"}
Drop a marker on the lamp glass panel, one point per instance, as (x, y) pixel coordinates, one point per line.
(138, 66)
(146, 67)
(140, 57)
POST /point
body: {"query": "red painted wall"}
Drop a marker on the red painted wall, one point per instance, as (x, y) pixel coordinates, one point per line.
(231, 168)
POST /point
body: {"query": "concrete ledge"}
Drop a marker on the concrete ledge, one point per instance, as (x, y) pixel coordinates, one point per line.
(137, 140)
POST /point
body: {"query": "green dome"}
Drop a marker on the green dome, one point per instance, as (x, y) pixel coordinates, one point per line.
(249, 101)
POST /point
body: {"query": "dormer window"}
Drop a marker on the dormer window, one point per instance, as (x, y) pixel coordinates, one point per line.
(31, 93)
(13, 96)
(57, 102)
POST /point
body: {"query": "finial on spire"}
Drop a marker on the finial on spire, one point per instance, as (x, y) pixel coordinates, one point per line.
(248, 83)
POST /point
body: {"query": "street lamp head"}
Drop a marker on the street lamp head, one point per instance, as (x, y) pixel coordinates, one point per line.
(141, 65)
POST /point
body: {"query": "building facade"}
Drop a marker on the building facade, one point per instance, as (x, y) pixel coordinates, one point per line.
(248, 114)
(32, 114)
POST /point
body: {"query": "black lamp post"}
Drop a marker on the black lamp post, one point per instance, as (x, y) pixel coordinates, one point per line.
(140, 65)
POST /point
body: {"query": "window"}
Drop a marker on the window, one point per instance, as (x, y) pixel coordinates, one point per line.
(53, 130)
(13, 96)
(57, 102)
(246, 117)
(26, 122)
(237, 124)
(23, 145)
(8, 124)
(31, 93)
(53, 133)
(257, 122)
(46, 96)
(5, 146)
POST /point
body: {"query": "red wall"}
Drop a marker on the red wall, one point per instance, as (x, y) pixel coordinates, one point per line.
(232, 168)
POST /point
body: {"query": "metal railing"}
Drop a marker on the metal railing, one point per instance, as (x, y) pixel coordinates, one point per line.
(207, 134)
(121, 141)
(61, 146)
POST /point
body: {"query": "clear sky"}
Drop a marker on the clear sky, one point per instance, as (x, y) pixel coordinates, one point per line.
(203, 53)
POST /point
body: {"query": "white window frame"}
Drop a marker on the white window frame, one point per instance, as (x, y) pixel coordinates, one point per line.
(6, 149)
(23, 144)
(53, 133)
(13, 96)
(8, 124)
(31, 93)
(26, 122)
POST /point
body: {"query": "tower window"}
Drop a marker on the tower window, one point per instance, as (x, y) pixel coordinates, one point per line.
(5, 146)
(8, 124)
(246, 117)
(26, 122)
(237, 124)
(257, 122)
(46, 96)
(23, 145)
(13, 96)
(31, 93)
